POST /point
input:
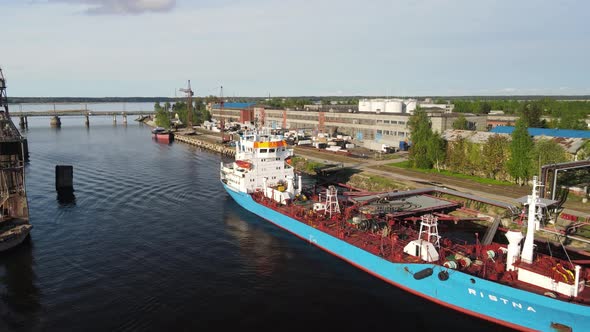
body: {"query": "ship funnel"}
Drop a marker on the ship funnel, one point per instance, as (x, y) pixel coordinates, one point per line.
(514, 238)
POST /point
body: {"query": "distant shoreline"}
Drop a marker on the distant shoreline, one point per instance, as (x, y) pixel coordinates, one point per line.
(19, 100)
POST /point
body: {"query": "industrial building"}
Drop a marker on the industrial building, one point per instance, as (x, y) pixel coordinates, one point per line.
(373, 124)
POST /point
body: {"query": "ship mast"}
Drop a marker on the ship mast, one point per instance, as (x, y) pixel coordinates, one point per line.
(527, 248)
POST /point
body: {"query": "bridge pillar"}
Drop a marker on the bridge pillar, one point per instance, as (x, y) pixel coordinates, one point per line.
(55, 122)
(124, 118)
(114, 119)
(21, 123)
(87, 120)
(26, 122)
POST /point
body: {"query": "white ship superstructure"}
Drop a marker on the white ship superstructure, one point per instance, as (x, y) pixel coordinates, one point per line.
(260, 165)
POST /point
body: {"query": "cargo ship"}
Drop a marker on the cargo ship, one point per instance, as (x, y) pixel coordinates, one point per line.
(395, 237)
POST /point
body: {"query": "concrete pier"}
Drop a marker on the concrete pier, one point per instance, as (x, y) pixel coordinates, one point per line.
(124, 118)
(114, 119)
(55, 122)
(87, 120)
(206, 145)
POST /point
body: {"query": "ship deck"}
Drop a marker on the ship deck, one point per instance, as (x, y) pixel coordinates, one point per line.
(389, 222)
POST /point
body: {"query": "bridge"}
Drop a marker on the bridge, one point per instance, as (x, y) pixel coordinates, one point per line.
(56, 114)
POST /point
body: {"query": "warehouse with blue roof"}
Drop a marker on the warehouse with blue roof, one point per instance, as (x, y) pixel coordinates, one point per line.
(566, 133)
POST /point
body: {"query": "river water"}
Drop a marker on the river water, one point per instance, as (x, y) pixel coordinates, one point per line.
(151, 242)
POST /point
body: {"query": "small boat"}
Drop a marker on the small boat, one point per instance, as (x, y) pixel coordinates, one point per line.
(162, 134)
(13, 233)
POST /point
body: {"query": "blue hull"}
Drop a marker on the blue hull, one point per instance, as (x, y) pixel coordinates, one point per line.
(478, 297)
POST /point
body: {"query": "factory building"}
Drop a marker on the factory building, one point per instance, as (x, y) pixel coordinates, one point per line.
(373, 124)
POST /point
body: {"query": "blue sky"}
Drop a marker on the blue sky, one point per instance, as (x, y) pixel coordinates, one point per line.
(98, 48)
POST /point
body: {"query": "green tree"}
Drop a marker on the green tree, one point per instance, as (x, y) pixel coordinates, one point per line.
(531, 114)
(584, 151)
(162, 118)
(571, 119)
(494, 154)
(460, 123)
(420, 134)
(485, 108)
(436, 150)
(546, 151)
(519, 164)
(456, 155)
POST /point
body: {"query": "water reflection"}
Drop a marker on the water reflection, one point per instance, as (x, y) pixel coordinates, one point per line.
(258, 248)
(66, 197)
(19, 296)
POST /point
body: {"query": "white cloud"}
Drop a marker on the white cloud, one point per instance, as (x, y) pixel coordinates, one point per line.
(122, 7)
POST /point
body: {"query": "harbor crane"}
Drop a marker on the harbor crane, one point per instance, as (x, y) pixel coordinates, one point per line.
(189, 112)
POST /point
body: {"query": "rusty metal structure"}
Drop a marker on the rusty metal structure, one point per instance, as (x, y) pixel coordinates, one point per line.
(14, 208)
(550, 172)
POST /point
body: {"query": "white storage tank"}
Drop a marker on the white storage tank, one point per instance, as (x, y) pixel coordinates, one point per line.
(364, 105)
(377, 105)
(394, 106)
(410, 105)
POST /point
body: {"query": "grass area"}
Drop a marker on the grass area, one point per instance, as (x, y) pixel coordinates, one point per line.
(375, 183)
(406, 165)
(304, 165)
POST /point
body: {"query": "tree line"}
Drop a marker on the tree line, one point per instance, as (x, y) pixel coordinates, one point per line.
(515, 159)
(167, 112)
